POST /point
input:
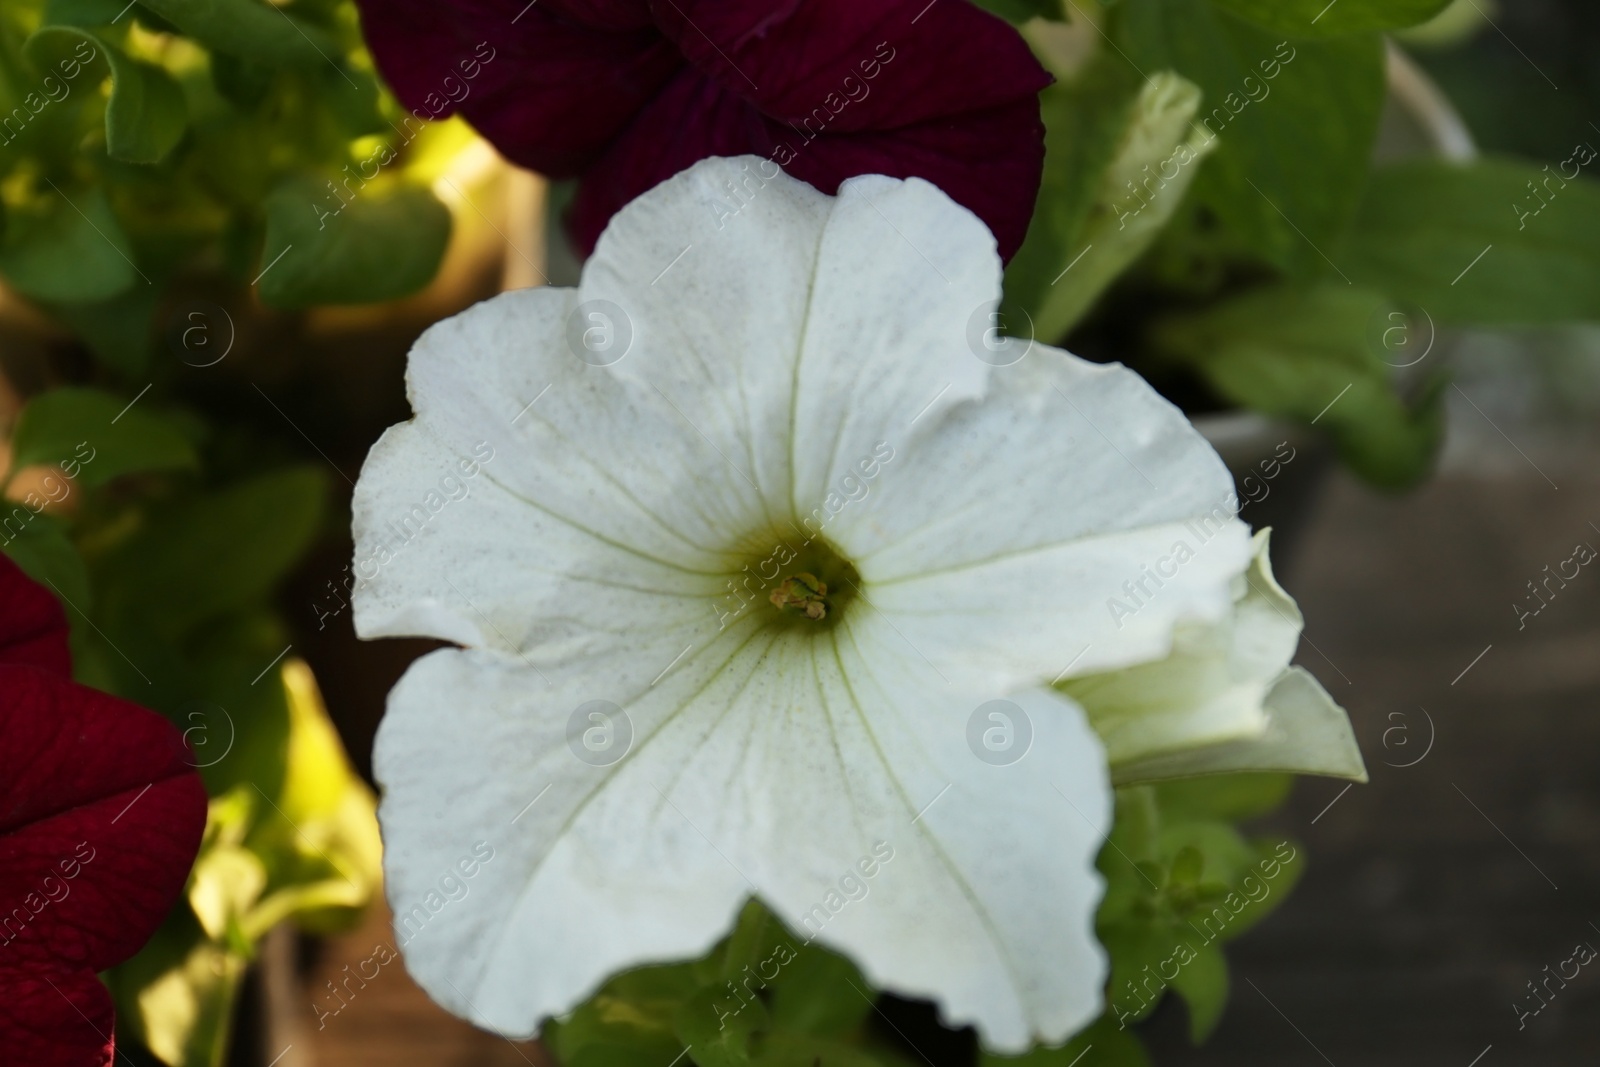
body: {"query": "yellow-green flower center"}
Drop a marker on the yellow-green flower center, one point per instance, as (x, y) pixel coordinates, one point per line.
(790, 581)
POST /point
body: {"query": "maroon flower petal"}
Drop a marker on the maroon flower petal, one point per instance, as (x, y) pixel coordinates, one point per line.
(101, 814)
(33, 628)
(691, 119)
(989, 162)
(626, 93)
(853, 65)
(600, 14)
(100, 817)
(56, 1017)
(550, 91)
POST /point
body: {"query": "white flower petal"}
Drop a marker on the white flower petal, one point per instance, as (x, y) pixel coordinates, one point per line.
(490, 570)
(887, 350)
(1213, 685)
(588, 508)
(1307, 733)
(776, 773)
(559, 906)
(1026, 537)
(716, 281)
(1003, 864)
(1266, 620)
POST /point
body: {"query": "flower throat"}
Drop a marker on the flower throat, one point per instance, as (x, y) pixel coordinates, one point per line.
(807, 585)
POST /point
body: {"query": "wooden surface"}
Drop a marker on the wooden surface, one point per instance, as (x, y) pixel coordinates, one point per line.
(389, 1021)
(1435, 892)
(1438, 890)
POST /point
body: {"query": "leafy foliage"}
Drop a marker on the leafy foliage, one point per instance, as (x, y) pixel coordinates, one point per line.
(145, 114)
(380, 246)
(1311, 18)
(1295, 121)
(1023, 10)
(766, 998)
(761, 998)
(1292, 275)
(141, 148)
(1317, 355)
(212, 109)
(170, 583)
(1106, 193)
(97, 436)
(1180, 882)
(65, 248)
(1498, 243)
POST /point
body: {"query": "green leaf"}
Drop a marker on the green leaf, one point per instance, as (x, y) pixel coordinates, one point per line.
(1084, 120)
(81, 12)
(1020, 11)
(381, 245)
(1492, 243)
(1310, 355)
(1294, 123)
(631, 1016)
(717, 1026)
(353, 97)
(820, 993)
(117, 330)
(72, 251)
(746, 945)
(805, 1050)
(1313, 18)
(96, 436)
(318, 840)
(1203, 984)
(1287, 868)
(1230, 797)
(177, 996)
(39, 545)
(1186, 867)
(1107, 191)
(1181, 881)
(224, 552)
(250, 28)
(1140, 948)
(603, 1055)
(146, 114)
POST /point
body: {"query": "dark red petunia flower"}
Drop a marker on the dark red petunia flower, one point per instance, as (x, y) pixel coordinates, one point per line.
(627, 93)
(101, 814)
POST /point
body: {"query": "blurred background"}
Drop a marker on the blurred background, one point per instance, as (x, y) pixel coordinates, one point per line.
(1468, 868)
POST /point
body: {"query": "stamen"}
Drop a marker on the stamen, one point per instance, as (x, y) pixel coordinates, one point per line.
(804, 593)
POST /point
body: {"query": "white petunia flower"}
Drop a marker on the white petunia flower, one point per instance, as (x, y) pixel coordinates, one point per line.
(764, 569)
(1225, 699)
